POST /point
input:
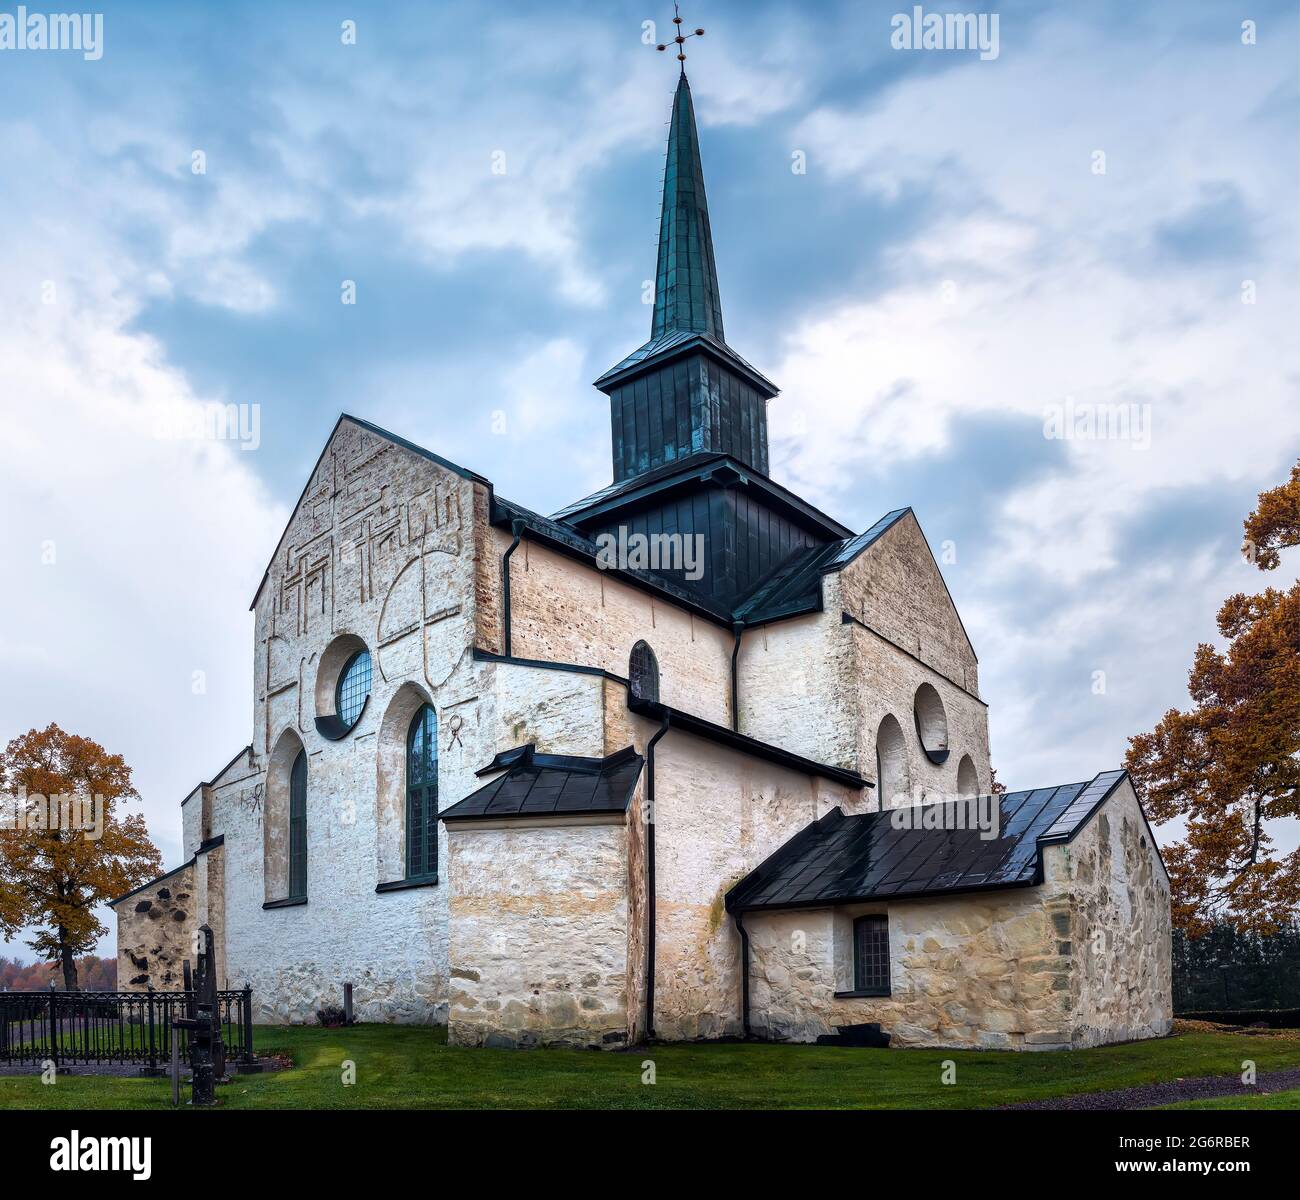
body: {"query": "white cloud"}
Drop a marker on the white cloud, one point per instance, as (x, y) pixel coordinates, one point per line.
(128, 558)
(1058, 290)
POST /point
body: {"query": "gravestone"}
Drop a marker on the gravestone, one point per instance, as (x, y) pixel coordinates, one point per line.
(203, 1021)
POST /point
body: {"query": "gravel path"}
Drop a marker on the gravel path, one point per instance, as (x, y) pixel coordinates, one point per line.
(1151, 1094)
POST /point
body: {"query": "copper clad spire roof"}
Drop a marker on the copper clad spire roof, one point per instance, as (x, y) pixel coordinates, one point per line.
(686, 278)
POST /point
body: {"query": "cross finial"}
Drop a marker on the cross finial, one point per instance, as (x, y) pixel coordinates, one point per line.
(680, 39)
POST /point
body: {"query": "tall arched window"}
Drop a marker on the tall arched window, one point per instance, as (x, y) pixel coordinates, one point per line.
(298, 827)
(422, 795)
(643, 673)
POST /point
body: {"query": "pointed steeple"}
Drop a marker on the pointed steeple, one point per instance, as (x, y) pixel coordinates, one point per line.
(685, 391)
(686, 277)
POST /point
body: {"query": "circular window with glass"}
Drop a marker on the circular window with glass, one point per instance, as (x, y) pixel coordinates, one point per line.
(353, 688)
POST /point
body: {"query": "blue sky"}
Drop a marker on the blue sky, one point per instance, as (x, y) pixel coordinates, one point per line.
(950, 269)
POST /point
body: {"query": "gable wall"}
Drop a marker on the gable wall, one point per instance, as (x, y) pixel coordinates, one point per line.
(1119, 933)
(895, 587)
(798, 690)
(382, 550)
(906, 633)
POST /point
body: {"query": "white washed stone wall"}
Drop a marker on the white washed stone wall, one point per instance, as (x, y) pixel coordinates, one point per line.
(797, 688)
(896, 587)
(381, 549)
(718, 814)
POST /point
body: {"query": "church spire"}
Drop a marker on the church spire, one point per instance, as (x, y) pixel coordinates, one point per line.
(685, 392)
(686, 277)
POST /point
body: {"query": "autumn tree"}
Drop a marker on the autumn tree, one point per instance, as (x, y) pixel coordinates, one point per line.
(1230, 764)
(52, 875)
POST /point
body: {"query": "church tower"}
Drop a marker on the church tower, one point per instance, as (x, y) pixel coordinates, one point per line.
(688, 415)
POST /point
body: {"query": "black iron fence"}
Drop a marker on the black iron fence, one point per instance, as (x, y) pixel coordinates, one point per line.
(113, 1027)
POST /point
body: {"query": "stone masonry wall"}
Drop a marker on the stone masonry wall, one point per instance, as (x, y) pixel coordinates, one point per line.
(821, 687)
(539, 935)
(896, 588)
(1119, 928)
(996, 970)
(155, 933)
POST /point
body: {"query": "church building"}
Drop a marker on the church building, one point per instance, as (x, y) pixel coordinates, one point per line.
(687, 759)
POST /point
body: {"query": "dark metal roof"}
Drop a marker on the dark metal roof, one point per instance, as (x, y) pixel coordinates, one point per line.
(685, 722)
(796, 585)
(840, 859)
(551, 785)
(673, 345)
(686, 474)
(622, 487)
(568, 540)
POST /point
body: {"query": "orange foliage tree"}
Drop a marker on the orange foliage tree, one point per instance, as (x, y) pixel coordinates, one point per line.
(1231, 763)
(52, 876)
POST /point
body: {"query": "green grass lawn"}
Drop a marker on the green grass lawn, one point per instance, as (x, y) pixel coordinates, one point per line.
(1276, 1100)
(413, 1067)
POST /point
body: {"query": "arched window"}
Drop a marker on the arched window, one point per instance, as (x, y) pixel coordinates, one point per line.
(968, 783)
(893, 779)
(353, 688)
(643, 673)
(298, 827)
(422, 795)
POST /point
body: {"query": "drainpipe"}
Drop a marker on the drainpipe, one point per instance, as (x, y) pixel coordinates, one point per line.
(650, 880)
(744, 974)
(517, 528)
(737, 627)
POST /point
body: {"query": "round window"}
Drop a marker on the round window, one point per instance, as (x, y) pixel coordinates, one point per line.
(354, 688)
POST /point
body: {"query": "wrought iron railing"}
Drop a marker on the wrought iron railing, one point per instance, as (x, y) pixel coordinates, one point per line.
(113, 1027)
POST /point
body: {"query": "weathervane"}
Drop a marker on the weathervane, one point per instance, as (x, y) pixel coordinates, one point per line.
(680, 39)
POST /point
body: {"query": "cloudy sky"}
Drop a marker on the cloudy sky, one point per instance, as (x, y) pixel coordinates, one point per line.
(1101, 218)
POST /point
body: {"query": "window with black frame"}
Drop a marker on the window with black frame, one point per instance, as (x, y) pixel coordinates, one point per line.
(298, 827)
(871, 955)
(353, 688)
(643, 672)
(422, 796)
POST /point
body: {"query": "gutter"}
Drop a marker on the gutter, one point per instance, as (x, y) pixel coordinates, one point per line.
(517, 528)
(738, 628)
(744, 974)
(650, 878)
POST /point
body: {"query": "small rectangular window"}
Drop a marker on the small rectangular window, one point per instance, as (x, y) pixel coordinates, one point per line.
(871, 955)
